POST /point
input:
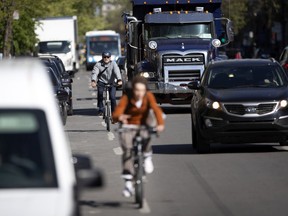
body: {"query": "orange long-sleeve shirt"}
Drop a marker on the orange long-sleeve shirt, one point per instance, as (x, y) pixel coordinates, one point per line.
(138, 115)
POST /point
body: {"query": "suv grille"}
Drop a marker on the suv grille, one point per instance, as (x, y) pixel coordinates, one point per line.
(259, 109)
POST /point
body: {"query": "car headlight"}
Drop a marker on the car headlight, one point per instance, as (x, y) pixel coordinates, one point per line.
(90, 59)
(147, 74)
(213, 104)
(283, 103)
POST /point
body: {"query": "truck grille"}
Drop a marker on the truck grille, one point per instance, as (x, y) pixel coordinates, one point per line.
(179, 76)
(259, 109)
(189, 59)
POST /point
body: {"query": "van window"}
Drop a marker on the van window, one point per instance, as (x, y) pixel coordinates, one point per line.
(26, 157)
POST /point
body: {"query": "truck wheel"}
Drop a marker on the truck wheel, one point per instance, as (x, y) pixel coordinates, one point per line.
(202, 145)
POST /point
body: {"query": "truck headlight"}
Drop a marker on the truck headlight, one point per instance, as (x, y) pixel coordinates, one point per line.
(147, 74)
(90, 59)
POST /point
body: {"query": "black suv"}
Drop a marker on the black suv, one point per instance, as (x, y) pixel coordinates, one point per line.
(57, 65)
(240, 101)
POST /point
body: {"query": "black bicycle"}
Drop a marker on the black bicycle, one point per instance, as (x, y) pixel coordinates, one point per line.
(138, 157)
(107, 115)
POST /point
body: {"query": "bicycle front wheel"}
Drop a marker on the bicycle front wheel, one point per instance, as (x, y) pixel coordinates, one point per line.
(139, 189)
(108, 117)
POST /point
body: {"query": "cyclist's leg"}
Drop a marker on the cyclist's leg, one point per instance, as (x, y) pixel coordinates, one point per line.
(147, 151)
(112, 92)
(126, 141)
(100, 89)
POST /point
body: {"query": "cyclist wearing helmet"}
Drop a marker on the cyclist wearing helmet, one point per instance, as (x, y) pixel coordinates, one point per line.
(106, 72)
(133, 111)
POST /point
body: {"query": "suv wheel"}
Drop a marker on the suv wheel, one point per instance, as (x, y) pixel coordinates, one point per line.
(202, 145)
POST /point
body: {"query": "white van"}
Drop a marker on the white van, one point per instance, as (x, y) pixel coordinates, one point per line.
(37, 176)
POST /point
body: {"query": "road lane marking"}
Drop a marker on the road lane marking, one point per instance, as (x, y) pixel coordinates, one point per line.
(281, 148)
(111, 136)
(95, 104)
(118, 151)
(145, 209)
(94, 94)
(103, 124)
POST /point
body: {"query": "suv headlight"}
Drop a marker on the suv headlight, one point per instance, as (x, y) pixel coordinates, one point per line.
(283, 103)
(212, 104)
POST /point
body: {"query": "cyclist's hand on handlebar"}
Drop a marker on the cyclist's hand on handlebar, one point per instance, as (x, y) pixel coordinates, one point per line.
(160, 128)
(93, 84)
(124, 118)
(119, 83)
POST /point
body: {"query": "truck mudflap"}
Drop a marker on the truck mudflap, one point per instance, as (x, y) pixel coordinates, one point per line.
(169, 93)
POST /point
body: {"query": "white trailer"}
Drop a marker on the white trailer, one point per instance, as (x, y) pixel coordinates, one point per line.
(59, 36)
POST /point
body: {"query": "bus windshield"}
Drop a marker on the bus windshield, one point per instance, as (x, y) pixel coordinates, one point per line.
(98, 44)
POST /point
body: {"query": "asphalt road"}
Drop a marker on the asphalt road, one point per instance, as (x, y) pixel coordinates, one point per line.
(242, 180)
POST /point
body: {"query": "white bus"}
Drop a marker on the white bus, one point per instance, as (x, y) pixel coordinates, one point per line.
(100, 41)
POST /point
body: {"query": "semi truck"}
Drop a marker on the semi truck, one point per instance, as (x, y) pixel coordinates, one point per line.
(59, 36)
(170, 42)
(101, 41)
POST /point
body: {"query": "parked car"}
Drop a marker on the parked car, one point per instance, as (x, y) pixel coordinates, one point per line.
(60, 94)
(37, 176)
(240, 101)
(284, 58)
(57, 65)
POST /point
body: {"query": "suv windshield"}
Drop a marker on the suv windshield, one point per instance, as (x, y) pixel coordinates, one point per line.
(190, 30)
(54, 47)
(26, 158)
(266, 76)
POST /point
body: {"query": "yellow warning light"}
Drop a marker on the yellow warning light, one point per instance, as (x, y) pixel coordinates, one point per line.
(186, 12)
(150, 13)
(178, 12)
(167, 2)
(206, 11)
(171, 12)
(177, 2)
(188, 1)
(145, 2)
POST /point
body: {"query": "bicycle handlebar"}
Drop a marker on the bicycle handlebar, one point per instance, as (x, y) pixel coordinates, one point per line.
(151, 130)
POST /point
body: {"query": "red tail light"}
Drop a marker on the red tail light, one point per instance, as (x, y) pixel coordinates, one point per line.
(285, 66)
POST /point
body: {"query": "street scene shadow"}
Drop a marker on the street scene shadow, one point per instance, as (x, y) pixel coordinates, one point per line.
(180, 149)
(107, 204)
(85, 112)
(176, 109)
(244, 148)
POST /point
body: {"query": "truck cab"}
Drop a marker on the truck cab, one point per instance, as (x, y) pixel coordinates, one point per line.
(171, 42)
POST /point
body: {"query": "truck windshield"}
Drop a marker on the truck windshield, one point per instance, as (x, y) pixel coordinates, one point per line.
(189, 30)
(26, 157)
(54, 47)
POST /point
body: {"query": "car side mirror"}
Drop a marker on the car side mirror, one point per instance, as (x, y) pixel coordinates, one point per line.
(194, 85)
(86, 175)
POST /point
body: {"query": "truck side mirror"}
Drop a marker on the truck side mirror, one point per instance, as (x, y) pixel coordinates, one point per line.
(227, 34)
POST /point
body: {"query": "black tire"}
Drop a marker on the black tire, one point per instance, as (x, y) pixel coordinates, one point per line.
(139, 191)
(108, 118)
(70, 110)
(193, 134)
(64, 113)
(284, 143)
(202, 145)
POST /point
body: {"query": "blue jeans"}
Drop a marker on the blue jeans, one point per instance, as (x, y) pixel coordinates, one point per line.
(112, 94)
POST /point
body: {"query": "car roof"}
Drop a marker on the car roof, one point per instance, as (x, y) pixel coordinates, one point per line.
(25, 83)
(244, 62)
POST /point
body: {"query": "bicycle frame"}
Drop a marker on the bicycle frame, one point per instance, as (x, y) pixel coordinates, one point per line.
(108, 112)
